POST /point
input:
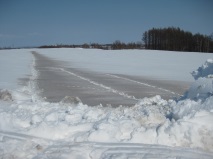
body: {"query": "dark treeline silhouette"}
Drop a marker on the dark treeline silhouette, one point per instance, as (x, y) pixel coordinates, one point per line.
(60, 46)
(85, 46)
(117, 45)
(175, 39)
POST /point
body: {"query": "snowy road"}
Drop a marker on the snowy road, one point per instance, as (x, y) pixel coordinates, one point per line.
(56, 80)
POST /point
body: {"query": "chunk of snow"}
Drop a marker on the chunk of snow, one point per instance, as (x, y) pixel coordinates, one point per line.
(206, 70)
(71, 100)
(5, 95)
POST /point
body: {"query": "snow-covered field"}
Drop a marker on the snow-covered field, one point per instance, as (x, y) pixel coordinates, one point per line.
(153, 128)
(151, 63)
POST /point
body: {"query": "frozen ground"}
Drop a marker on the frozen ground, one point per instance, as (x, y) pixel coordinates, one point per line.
(152, 128)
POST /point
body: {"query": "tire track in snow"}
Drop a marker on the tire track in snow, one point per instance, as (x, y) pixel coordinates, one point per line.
(49, 148)
(21, 136)
(123, 150)
(141, 83)
(110, 89)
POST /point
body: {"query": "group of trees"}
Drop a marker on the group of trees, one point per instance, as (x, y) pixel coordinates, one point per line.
(85, 46)
(175, 39)
(60, 46)
(117, 45)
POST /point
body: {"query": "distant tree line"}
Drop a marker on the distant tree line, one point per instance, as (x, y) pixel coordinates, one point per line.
(117, 45)
(175, 39)
(85, 46)
(60, 46)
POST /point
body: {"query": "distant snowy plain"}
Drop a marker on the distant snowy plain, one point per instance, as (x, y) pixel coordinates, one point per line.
(153, 128)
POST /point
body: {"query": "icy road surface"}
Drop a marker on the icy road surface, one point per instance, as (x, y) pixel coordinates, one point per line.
(55, 81)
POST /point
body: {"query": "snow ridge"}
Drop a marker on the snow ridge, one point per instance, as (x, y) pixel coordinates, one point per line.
(33, 85)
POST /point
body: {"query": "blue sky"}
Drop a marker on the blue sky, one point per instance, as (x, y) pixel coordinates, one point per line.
(41, 22)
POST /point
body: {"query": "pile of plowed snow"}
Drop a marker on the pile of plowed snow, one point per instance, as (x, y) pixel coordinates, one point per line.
(202, 88)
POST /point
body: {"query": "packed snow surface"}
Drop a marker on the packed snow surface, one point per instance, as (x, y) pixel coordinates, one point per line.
(153, 128)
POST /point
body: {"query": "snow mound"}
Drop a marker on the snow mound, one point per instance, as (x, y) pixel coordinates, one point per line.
(206, 70)
(202, 88)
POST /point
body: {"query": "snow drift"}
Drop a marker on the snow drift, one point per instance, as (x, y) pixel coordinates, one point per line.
(202, 88)
(34, 128)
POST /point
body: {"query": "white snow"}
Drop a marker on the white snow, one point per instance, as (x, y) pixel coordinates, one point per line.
(153, 128)
(14, 64)
(203, 86)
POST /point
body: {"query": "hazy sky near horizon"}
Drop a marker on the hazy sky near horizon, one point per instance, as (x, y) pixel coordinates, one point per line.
(42, 22)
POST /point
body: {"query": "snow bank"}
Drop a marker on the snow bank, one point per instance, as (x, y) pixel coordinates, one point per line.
(202, 88)
(148, 122)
